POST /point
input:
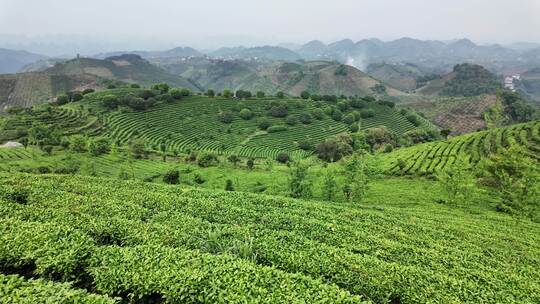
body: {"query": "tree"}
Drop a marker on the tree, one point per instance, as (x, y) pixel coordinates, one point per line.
(226, 117)
(332, 150)
(185, 92)
(77, 143)
(40, 134)
(367, 113)
(260, 94)
(250, 163)
(291, 120)
(317, 114)
(163, 149)
(207, 159)
(283, 157)
(456, 180)
(227, 93)
(234, 159)
(279, 110)
(137, 148)
(263, 123)
(305, 118)
(172, 177)
(98, 146)
(110, 101)
(175, 93)
(229, 186)
(337, 115)
(210, 93)
(329, 185)
(349, 119)
(246, 114)
(445, 133)
(305, 95)
(48, 149)
(356, 179)
(146, 93)
(514, 178)
(77, 96)
(161, 87)
(299, 185)
(280, 95)
(62, 99)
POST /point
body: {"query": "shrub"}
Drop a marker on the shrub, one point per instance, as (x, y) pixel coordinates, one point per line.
(161, 87)
(283, 157)
(246, 114)
(229, 186)
(77, 143)
(207, 159)
(279, 111)
(146, 93)
(210, 93)
(349, 119)
(98, 146)
(110, 102)
(413, 118)
(291, 120)
(172, 177)
(332, 150)
(305, 118)
(175, 93)
(317, 114)
(305, 145)
(226, 117)
(354, 127)
(337, 115)
(260, 94)
(185, 92)
(199, 179)
(263, 123)
(134, 86)
(275, 129)
(280, 95)
(62, 99)
(305, 95)
(77, 96)
(88, 91)
(367, 113)
(227, 93)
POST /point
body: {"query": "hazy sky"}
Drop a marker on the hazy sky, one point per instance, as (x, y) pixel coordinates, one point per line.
(204, 23)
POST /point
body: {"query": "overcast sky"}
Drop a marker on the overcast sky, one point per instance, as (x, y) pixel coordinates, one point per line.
(207, 24)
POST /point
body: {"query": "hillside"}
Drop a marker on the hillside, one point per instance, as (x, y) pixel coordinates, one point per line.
(317, 77)
(465, 80)
(26, 89)
(274, 53)
(529, 84)
(199, 123)
(400, 76)
(428, 158)
(11, 61)
(113, 238)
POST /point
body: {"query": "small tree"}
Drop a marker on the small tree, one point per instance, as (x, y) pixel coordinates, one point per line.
(78, 143)
(250, 163)
(246, 114)
(299, 185)
(229, 186)
(172, 177)
(175, 93)
(456, 180)
(280, 95)
(283, 157)
(227, 93)
(260, 94)
(48, 149)
(234, 159)
(329, 185)
(264, 123)
(210, 93)
(163, 149)
(137, 148)
(445, 133)
(304, 95)
(110, 102)
(98, 146)
(62, 99)
(356, 179)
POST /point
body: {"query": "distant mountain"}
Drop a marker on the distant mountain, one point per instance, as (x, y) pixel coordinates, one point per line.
(290, 77)
(176, 52)
(465, 80)
(524, 46)
(263, 52)
(41, 65)
(11, 61)
(26, 89)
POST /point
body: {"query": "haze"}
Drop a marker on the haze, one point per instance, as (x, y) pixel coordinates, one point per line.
(101, 25)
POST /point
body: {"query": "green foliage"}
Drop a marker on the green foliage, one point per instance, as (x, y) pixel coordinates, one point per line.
(78, 143)
(304, 95)
(515, 178)
(471, 80)
(457, 180)
(299, 183)
(207, 159)
(305, 118)
(260, 94)
(341, 70)
(280, 95)
(227, 93)
(62, 99)
(210, 93)
(275, 129)
(172, 177)
(332, 150)
(98, 146)
(356, 179)
(379, 88)
(229, 186)
(246, 114)
(110, 101)
(137, 148)
(329, 185)
(226, 117)
(263, 123)
(283, 157)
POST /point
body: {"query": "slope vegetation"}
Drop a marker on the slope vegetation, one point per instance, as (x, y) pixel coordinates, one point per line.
(150, 243)
(430, 157)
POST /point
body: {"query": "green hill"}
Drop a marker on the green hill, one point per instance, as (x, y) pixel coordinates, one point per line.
(196, 123)
(26, 89)
(172, 244)
(317, 77)
(465, 80)
(400, 76)
(430, 157)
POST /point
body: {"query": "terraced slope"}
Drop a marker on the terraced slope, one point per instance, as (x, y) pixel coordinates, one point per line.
(192, 125)
(151, 243)
(430, 157)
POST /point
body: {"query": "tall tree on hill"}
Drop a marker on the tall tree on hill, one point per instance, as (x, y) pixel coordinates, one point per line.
(356, 179)
(299, 185)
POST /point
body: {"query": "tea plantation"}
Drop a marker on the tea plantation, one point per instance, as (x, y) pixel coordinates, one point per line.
(92, 240)
(431, 157)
